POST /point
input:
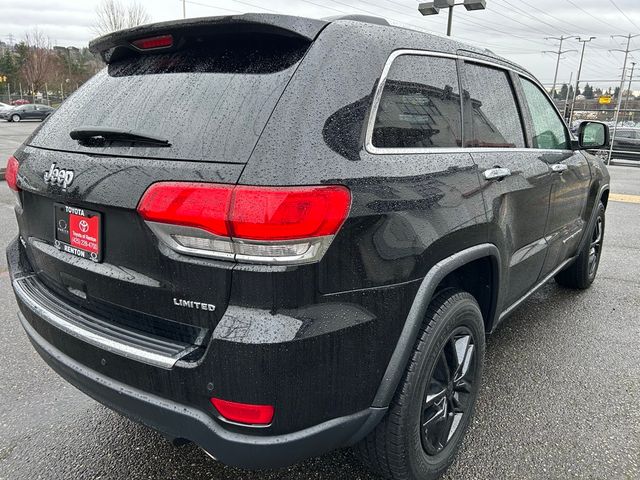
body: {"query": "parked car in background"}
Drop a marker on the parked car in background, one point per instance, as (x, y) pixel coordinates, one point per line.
(626, 145)
(273, 237)
(4, 107)
(26, 112)
(19, 101)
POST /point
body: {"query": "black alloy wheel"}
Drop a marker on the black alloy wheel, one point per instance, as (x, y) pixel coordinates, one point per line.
(596, 246)
(447, 397)
(434, 403)
(582, 272)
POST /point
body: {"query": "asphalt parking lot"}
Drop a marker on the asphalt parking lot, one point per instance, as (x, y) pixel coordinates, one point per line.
(12, 135)
(559, 398)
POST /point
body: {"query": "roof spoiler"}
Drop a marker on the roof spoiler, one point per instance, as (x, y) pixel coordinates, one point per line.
(109, 46)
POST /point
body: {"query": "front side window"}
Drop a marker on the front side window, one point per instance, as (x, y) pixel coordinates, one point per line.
(494, 120)
(548, 128)
(420, 105)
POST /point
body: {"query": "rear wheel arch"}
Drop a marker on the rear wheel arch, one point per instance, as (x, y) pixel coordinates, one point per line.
(480, 278)
(446, 273)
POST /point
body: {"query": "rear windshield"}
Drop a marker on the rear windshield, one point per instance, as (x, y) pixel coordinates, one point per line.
(210, 102)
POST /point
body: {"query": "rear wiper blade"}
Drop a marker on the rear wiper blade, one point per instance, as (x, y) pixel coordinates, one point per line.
(99, 135)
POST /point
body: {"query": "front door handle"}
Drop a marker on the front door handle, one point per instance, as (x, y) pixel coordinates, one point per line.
(497, 173)
(559, 167)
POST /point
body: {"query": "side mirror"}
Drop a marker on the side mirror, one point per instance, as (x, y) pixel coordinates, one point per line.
(592, 135)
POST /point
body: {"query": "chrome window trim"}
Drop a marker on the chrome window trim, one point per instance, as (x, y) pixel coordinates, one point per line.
(375, 104)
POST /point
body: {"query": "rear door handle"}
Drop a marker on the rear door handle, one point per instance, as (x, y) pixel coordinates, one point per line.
(559, 167)
(497, 173)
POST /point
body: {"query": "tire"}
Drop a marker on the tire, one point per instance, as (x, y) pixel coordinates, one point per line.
(581, 273)
(15, 118)
(399, 448)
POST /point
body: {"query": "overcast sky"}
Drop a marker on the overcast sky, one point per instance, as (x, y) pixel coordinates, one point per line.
(515, 29)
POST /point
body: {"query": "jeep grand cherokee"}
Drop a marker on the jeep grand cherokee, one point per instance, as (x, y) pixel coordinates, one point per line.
(276, 236)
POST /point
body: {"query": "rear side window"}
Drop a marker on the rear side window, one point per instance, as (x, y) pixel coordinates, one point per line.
(548, 128)
(493, 120)
(420, 105)
(211, 100)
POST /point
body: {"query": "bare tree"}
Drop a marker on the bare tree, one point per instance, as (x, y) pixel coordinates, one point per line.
(113, 15)
(39, 62)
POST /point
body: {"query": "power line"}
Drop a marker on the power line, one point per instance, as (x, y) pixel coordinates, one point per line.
(518, 21)
(211, 6)
(527, 14)
(624, 70)
(591, 15)
(468, 21)
(575, 90)
(254, 6)
(624, 14)
(560, 52)
(560, 20)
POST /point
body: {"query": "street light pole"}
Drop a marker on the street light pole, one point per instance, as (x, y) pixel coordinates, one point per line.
(184, 8)
(433, 8)
(575, 90)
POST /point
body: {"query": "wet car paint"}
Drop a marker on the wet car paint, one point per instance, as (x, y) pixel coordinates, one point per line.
(333, 325)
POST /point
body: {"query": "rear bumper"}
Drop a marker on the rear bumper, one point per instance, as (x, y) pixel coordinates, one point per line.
(179, 421)
(94, 370)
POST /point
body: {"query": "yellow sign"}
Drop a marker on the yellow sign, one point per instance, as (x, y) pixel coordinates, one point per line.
(604, 100)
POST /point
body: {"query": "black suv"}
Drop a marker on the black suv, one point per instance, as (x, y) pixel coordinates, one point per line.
(276, 236)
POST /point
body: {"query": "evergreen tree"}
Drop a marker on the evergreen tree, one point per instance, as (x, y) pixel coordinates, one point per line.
(563, 91)
(588, 91)
(9, 69)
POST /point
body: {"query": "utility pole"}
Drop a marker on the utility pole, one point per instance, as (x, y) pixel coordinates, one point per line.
(626, 100)
(624, 69)
(184, 8)
(562, 38)
(575, 90)
(565, 111)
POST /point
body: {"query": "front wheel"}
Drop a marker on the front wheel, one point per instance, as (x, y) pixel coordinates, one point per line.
(582, 272)
(15, 118)
(427, 419)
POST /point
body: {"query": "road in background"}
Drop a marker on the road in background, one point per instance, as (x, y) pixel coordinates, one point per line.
(559, 397)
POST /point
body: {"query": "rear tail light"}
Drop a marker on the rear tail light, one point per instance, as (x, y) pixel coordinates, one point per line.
(284, 225)
(11, 173)
(244, 413)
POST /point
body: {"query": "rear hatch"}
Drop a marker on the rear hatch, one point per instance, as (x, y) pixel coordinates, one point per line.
(207, 88)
